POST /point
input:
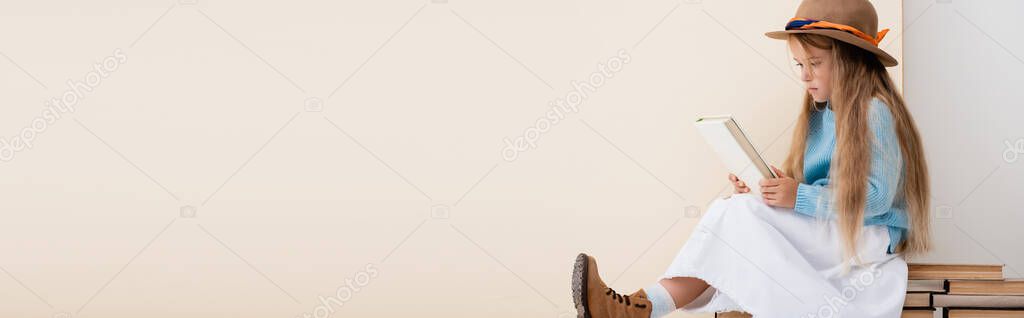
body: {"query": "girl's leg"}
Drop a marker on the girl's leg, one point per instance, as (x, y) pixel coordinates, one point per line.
(670, 294)
(684, 289)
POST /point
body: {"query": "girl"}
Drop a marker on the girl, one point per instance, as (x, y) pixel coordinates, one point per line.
(828, 237)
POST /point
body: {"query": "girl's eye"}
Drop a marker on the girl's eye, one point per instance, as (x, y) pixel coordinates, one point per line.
(815, 63)
(800, 65)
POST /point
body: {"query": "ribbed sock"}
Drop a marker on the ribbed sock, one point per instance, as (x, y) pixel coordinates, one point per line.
(661, 301)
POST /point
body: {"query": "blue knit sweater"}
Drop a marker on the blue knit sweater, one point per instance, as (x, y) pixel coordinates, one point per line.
(884, 205)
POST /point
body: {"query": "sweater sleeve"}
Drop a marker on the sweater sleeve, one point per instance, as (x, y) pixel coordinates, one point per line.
(883, 179)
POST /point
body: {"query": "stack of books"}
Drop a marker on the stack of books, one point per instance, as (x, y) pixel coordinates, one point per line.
(962, 291)
(955, 291)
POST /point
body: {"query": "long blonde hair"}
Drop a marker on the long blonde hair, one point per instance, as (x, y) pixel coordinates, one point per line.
(857, 77)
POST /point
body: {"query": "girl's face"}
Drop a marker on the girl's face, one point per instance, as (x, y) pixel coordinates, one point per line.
(814, 66)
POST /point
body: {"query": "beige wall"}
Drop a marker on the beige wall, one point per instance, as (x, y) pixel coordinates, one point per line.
(242, 158)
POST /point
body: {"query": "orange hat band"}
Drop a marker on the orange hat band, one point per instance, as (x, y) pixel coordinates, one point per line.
(806, 24)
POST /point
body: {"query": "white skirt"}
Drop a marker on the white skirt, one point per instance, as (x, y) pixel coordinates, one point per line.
(772, 262)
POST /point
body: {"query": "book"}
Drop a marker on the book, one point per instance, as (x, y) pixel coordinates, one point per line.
(926, 285)
(918, 300)
(975, 301)
(732, 314)
(955, 271)
(1007, 287)
(733, 147)
(983, 313)
(918, 313)
(907, 313)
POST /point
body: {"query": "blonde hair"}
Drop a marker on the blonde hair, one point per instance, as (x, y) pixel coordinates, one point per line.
(857, 78)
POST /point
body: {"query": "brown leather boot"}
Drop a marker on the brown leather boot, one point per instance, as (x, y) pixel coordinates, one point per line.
(593, 299)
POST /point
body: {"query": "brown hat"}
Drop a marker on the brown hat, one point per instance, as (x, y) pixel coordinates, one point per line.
(851, 21)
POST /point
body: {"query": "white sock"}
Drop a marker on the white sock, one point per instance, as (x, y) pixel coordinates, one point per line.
(661, 301)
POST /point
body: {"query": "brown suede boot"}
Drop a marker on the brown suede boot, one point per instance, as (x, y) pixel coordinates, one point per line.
(593, 299)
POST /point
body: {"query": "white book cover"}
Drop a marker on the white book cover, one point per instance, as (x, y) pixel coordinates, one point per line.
(735, 150)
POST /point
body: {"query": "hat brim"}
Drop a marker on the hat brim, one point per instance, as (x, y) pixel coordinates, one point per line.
(844, 36)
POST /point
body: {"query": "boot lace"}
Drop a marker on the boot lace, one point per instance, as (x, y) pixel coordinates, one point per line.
(623, 299)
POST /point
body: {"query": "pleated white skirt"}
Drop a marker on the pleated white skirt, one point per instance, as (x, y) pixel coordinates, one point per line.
(772, 262)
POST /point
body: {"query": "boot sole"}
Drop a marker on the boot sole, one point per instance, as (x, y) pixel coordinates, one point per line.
(579, 286)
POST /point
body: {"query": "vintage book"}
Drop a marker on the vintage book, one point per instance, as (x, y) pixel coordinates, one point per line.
(907, 313)
(918, 313)
(955, 271)
(983, 313)
(918, 300)
(986, 287)
(975, 301)
(732, 314)
(926, 285)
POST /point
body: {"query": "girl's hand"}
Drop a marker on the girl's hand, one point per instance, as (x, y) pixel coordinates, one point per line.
(781, 191)
(738, 186)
